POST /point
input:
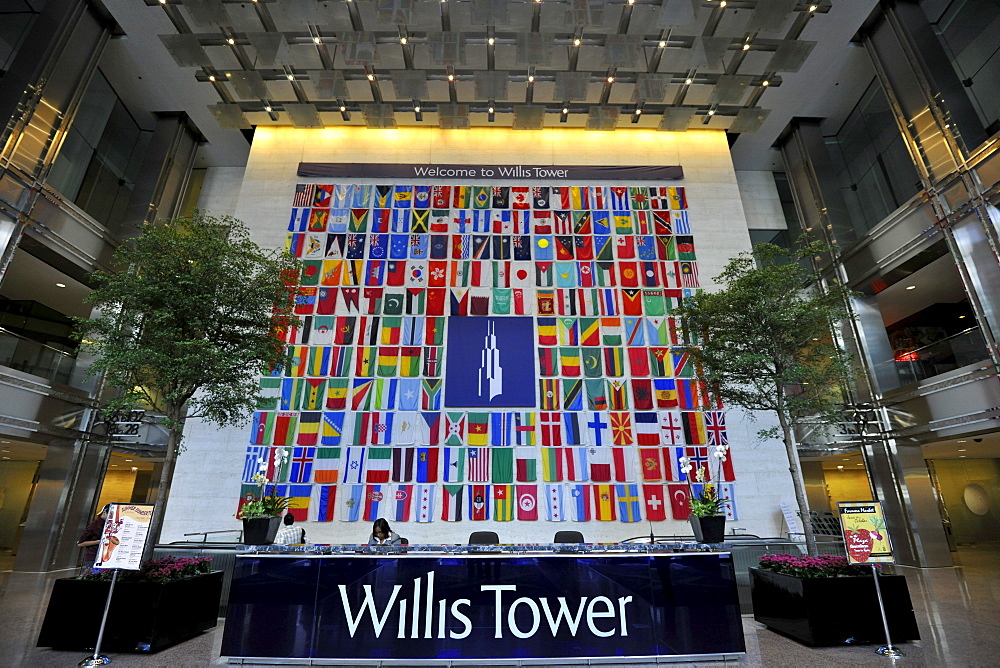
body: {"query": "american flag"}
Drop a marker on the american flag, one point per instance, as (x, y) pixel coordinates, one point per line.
(479, 465)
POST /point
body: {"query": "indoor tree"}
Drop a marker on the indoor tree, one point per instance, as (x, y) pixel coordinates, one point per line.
(764, 342)
(188, 324)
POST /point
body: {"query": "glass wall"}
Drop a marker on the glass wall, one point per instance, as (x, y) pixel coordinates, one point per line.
(101, 155)
(968, 30)
(16, 19)
(876, 175)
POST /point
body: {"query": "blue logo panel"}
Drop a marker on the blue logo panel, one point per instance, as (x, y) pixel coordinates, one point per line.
(490, 363)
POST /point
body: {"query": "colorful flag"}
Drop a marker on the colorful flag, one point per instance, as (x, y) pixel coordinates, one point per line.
(503, 503)
(577, 466)
(354, 465)
(552, 464)
(527, 502)
(656, 508)
(525, 464)
(479, 507)
(580, 502)
(454, 464)
(375, 496)
(604, 502)
(555, 510)
(351, 502)
(326, 465)
(451, 508)
(402, 464)
(427, 464)
(302, 463)
(424, 495)
(629, 509)
(401, 506)
(324, 498)
(680, 507)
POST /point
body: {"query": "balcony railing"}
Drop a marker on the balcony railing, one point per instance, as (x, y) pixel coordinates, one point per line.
(38, 359)
(953, 352)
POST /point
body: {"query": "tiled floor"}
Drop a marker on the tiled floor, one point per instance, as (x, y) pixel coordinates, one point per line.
(958, 612)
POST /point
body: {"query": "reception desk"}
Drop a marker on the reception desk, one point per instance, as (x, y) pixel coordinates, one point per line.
(438, 605)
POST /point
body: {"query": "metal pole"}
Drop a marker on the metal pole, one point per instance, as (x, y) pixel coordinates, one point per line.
(888, 649)
(97, 659)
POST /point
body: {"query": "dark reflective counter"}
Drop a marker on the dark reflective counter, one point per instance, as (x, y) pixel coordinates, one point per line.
(499, 604)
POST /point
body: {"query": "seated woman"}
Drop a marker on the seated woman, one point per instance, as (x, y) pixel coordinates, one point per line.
(383, 535)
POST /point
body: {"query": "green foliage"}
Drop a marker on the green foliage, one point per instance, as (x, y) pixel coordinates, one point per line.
(265, 506)
(191, 319)
(765, 337)
(707, 503)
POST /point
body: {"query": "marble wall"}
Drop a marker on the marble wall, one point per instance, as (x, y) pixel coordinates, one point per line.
(206, 484)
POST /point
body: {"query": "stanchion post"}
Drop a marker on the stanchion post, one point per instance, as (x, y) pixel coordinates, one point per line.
(888, 649)
(98, 659)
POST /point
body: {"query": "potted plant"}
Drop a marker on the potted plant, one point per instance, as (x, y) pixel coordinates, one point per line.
(823, 600)
(261, 514)
(708, 509)
(166, 602)
(708, 515)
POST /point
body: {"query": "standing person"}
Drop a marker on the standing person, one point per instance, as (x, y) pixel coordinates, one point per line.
(383, 535)
(290, 534)
(91, 538)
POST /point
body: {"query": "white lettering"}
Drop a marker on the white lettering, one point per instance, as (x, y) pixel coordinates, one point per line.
(609, 611)
(622, 600)
(440, 171)
(571, 622)
(466, 622)
(535, 618)
(498, 633)
(429, 608)
(441, 605)
(369, 604)
(402, 619)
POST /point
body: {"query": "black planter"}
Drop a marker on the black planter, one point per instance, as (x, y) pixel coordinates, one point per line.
(832, 611)
(709, 529)
(260, 530)
(144, 616)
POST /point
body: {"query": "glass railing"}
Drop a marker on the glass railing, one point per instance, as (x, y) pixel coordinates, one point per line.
(958, 350)
(38, 359)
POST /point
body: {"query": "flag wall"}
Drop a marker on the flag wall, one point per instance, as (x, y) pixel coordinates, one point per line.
(607, 400)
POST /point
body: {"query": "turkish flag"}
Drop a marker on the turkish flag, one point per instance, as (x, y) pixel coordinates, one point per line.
(656, 507)
(679, 506)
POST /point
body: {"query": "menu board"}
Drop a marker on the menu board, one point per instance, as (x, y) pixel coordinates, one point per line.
(124, 536)
(865, 533)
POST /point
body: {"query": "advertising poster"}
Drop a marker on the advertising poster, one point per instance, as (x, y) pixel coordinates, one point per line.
(865, 533)
(124, 536)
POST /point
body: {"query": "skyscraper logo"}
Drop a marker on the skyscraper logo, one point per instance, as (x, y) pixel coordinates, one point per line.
(490, 363)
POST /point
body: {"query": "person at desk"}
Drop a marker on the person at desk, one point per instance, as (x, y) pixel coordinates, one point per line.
(383, 535)
(289, 534)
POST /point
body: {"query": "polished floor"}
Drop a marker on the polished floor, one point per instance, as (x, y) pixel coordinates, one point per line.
(958, 612)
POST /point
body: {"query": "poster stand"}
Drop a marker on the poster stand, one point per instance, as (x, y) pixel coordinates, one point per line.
(122, 543)
(99, 659)
(866, 538)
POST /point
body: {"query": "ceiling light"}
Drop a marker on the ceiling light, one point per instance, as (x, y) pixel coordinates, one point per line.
(638, 111)
(211, 77)
(531, 78)
(813, 8)
(687, 81)
(9, 457)
(840, 466)
(722, 4)
(576, 42)
(267, 109)
(765, 82)
(135, 469)
(163, 2)
(746, 47)
(317, 40)
(490, 110)
(959, 441)
(911, 287)
(611, 79)
(343, 108)
(231, 41)
(962, 456)
(451, 77)
(711, 112)
(402, 40)
(631, 2)
(491, 41)
(962, 449)
(565, 110)
(662, 44)
(291, 77)
(371, 77)
(960, 317)
(128, 460)
(60, 285)
(416, 109)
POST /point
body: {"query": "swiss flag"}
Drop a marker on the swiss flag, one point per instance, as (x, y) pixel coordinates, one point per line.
(679, 506)
(656, 505)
